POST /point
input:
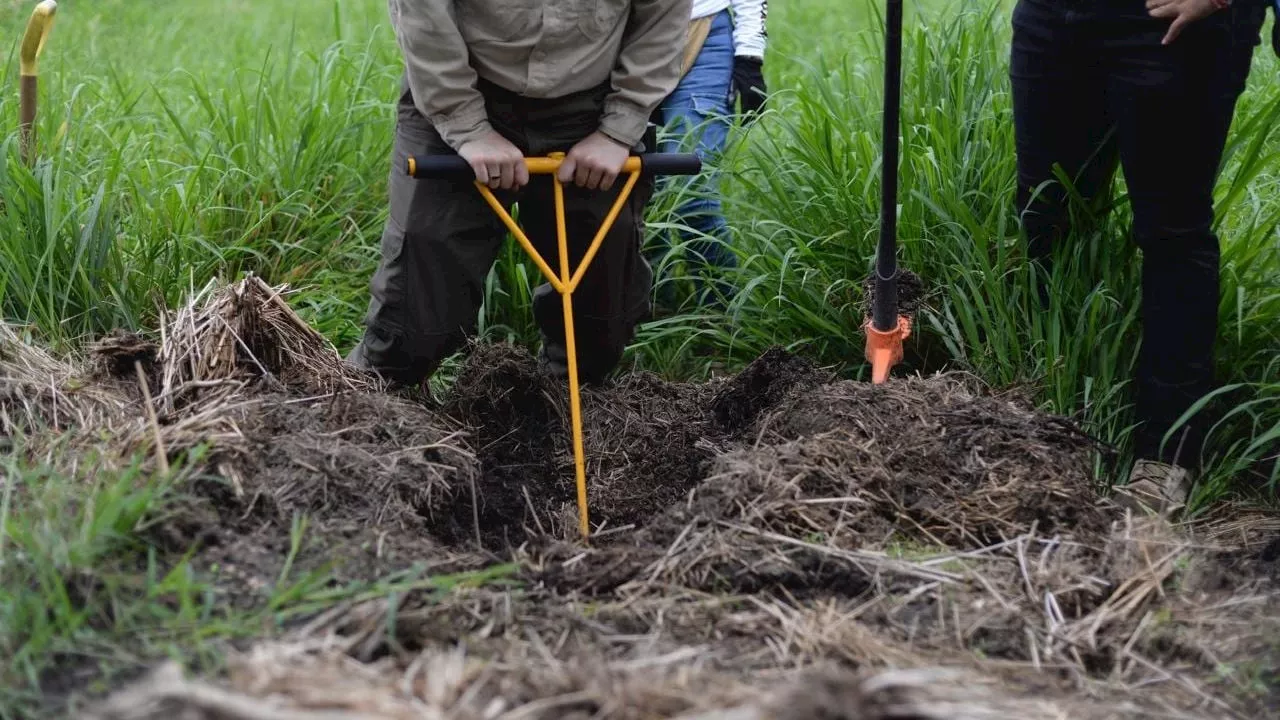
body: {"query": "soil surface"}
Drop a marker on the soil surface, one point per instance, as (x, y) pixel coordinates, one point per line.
(776, 520)
(780, 448)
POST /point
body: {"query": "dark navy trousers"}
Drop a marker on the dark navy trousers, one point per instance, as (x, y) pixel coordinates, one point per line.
(1093, 90)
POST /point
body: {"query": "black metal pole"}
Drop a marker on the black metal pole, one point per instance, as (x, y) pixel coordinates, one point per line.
(885, 310)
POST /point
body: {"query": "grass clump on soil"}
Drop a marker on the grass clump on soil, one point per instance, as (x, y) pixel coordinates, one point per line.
(929, 546)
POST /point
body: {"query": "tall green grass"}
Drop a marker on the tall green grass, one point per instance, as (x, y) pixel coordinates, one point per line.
(171, 154)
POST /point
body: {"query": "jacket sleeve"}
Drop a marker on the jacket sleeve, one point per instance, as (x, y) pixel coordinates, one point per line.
(749, 32)
(648, 66)
(440, 77)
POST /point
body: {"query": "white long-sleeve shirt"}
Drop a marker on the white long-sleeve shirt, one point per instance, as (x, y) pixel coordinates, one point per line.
(749, 17)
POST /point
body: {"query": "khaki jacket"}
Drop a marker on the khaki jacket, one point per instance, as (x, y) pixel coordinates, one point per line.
(540, 49)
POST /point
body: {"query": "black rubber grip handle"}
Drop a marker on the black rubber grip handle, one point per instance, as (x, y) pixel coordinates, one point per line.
(671, 163)
(439, 167)
(453, 167)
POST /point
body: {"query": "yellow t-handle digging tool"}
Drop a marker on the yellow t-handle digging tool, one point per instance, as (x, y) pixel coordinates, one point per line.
(38, 28)
(454, 167)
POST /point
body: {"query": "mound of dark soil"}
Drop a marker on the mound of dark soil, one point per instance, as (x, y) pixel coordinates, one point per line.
(366, 458)
(509, 409)
(371, 473)
(761, 386)
(780, 450)
(646, 444)
(932, 461)
(969, 467)
(828, 470)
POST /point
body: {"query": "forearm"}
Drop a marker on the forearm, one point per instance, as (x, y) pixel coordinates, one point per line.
(443, 83)
(648, 67)
(749, 31)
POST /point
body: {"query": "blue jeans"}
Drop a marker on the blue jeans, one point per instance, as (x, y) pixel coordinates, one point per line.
(697, 111)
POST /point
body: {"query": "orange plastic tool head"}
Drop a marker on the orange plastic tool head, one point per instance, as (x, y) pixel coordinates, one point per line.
(884, 347)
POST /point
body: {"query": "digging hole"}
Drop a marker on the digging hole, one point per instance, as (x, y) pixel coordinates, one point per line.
(507, 407)
(647, 444)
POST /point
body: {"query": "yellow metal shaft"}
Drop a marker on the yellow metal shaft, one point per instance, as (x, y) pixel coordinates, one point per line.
(565, 283)
(521, 237)
(575, 404)
(604, 230)
(550, 165)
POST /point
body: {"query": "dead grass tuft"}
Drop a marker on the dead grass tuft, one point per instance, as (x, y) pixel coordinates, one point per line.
(230, 335)
(39, 392)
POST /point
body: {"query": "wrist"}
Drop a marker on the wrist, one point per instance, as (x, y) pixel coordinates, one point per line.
(614, 141)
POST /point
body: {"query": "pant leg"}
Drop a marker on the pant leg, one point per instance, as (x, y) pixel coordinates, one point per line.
(613, 297)
(1060, 119)
(439, 242)
(697, 113)
(1174, 107)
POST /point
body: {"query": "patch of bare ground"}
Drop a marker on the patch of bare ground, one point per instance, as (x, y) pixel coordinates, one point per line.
(774, 544)
(993, 636)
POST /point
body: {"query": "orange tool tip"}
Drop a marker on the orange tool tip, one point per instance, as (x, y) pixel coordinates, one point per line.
(884, 347)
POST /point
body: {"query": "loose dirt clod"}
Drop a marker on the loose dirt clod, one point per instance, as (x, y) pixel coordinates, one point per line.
(911, 292)
(761, 386)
